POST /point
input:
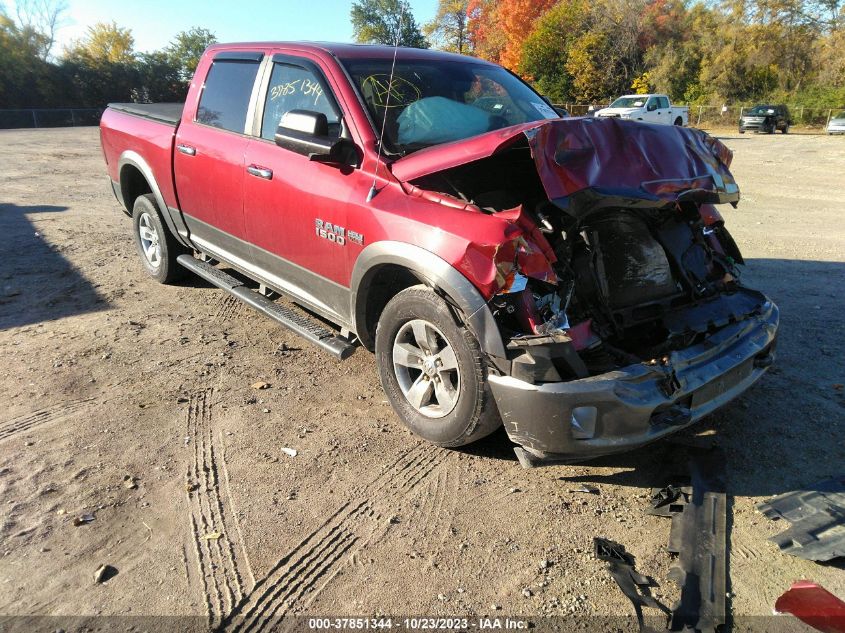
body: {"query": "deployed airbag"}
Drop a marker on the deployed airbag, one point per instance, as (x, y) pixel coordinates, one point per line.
(440, 120)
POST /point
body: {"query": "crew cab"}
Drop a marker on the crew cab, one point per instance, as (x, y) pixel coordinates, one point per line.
(650, 108)
(571, 278)
(765, 118)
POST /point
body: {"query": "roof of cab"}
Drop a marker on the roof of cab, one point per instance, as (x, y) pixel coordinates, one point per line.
(351, 51)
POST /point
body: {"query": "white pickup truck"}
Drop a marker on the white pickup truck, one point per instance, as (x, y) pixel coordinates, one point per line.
(649, 108)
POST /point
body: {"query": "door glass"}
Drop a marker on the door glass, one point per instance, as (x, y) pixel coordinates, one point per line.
(225, 96)
(295, 88)
(664, 102)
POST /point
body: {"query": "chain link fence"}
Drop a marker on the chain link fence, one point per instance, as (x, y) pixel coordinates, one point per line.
(52, 117)
(727, 116)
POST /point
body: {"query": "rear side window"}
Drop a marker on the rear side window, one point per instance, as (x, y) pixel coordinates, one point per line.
(664, 102)
(294, 87)
(225, 96)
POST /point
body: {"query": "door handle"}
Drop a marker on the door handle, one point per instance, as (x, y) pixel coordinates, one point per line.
(260, 172)
(186, 149)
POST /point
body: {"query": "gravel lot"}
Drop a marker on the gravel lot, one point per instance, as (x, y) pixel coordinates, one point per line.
(134, 403)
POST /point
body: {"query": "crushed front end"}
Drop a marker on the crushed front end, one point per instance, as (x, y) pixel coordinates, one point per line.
(619, 293)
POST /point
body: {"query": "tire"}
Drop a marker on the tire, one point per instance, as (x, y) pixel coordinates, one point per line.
(156, 246)
(679, 121)
(452, 407)
(770, 129)
(785, 129)
(741, 131)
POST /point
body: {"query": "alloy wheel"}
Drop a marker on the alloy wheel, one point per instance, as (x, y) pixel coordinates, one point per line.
(426, 368)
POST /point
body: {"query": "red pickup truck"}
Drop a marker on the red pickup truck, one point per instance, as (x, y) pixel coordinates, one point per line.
(568, 277)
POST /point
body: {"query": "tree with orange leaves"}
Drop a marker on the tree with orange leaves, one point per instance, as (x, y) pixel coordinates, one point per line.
(498, 28)
(517, 18)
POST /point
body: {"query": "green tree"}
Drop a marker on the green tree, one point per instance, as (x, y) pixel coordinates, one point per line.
(22, 69)
(104, 42)
(186, 49)
(546, 50)
(448, 30)
(385, 22)
(159, 78)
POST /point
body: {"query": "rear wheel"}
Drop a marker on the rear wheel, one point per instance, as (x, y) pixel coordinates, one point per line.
(433, 371)
(679, 121)
(156, 245)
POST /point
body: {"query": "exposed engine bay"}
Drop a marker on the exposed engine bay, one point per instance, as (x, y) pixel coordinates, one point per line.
(611, 281)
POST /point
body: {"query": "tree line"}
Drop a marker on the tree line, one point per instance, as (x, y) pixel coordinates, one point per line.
(101, 67)
(586, 51)
(589, 51)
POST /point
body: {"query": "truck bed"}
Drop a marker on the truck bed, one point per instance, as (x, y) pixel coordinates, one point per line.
(169, 113)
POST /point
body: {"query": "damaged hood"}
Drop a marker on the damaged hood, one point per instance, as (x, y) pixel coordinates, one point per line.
(589, 163)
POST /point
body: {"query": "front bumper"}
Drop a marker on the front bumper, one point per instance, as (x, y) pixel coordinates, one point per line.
(627, 408)
(836, 128)
(755, 126)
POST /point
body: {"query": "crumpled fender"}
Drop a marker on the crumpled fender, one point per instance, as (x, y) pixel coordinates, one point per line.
(523, 249)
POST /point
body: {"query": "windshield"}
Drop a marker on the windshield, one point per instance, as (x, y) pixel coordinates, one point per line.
(435, 101)
(762, 109)
(628, 102)
(841, 115)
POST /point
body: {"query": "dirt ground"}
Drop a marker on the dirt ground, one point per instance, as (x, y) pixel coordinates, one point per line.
(133, 403)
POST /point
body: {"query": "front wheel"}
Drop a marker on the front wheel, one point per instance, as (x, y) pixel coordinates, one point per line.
(433, 371)
(156, 245)
(785, 129)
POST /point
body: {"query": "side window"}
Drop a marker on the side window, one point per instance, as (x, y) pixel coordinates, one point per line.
(664, 102)
(225, 96)
(651, 104)
(295, 87)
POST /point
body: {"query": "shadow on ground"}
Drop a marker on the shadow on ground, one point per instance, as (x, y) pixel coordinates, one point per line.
(37, 283)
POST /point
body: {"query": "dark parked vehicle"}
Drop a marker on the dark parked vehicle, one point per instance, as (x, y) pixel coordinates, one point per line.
(766, 118)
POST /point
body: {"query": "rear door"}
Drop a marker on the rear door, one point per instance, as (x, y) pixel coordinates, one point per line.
(296, 209)
(208, 161)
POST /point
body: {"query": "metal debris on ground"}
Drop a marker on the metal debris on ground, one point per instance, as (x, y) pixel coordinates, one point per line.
(699, 536)
(83, 519)
(817, 515)
(635, 586)
(588, 488)
(814, 606)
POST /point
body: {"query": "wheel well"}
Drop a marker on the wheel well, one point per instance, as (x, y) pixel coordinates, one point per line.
(378, 287)
(132, 185)
(679, 121)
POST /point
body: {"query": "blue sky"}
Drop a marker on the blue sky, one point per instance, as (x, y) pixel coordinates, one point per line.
(155, 22)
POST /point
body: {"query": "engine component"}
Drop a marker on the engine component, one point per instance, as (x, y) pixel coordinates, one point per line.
(630, 265)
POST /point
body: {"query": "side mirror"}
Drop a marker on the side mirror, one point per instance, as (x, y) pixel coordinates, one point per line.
(307, 133)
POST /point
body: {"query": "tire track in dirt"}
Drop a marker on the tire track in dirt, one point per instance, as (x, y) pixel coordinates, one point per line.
(229, 308)
(215, 535)
(367, 513)
(42, 416)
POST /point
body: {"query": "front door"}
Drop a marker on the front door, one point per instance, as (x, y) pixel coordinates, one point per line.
(295, 208)
(208, 160)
